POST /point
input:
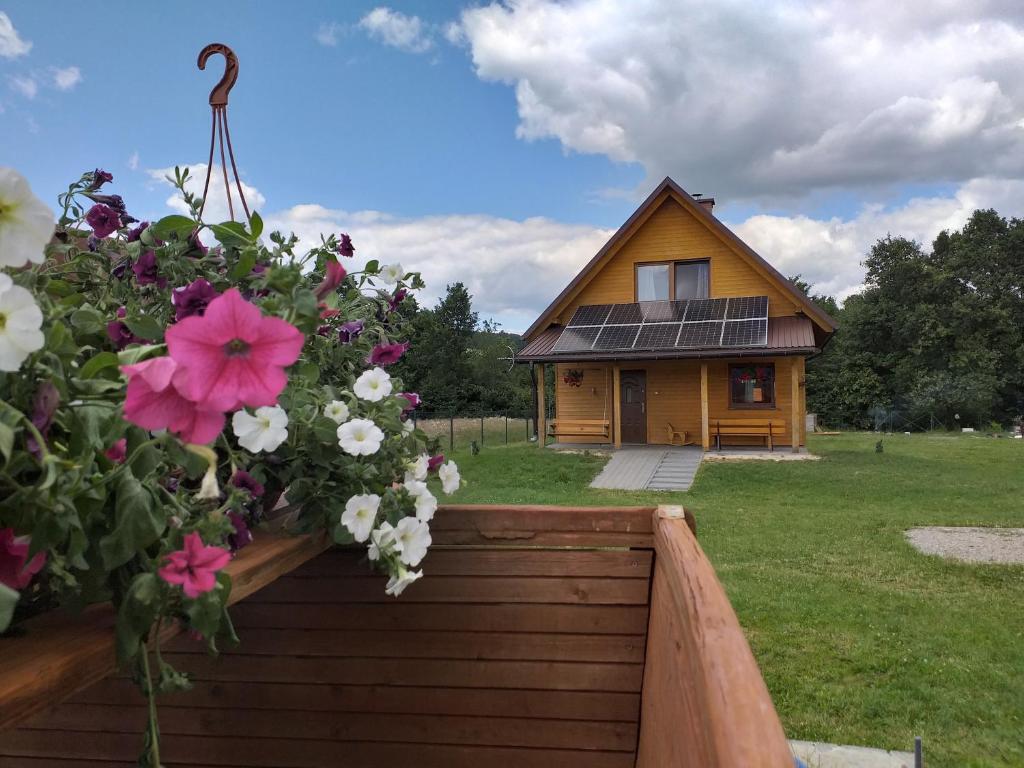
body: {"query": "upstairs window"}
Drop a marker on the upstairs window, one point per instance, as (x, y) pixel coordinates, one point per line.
(673, 280)
(752, 386)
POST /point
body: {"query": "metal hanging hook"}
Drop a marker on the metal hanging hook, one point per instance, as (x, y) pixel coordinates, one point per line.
(219, 94)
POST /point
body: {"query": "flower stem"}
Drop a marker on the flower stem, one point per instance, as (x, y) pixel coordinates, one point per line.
(154, 726)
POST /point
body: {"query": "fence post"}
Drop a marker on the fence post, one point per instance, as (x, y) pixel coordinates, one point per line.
(506, 427)
(451, 432)
(481, 430)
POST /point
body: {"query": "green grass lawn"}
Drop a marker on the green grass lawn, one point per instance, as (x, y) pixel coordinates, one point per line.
(861, 639)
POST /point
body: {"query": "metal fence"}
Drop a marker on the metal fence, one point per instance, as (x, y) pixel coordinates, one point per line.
(459, 431)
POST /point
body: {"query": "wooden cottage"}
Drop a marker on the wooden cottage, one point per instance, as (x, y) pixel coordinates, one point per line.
(677, 332)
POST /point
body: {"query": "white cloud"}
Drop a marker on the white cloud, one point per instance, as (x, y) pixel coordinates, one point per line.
(751, 100)
(11, 44)
(327, 33)
(133, 161)
(394, 28)
(216, 210)
(23, 84)
(66, 78)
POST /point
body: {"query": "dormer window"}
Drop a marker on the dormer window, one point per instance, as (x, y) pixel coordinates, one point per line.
(676, 280)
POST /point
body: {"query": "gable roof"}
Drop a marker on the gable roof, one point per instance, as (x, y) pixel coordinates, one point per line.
(665, 190)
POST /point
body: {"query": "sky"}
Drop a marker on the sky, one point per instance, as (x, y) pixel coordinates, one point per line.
(501, 143)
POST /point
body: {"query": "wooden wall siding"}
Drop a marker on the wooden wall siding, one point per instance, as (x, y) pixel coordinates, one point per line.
(673, 396)
(704, 701)
(672, 233)
(591, 400)
(502, 656)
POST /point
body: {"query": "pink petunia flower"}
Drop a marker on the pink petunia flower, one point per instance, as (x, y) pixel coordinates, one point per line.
(335, 274)
(413, 401)
(16, 570)
(386, 354)
(118, 451)
(434, 462)
(156, 400)
(195, 566)
(234, 355)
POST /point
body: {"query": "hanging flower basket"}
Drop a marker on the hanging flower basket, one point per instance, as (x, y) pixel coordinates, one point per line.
(573, 377)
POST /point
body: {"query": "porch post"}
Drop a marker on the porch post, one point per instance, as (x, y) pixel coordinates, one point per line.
(795, 406)
(617, 406)
(705, 431)
(542, 422)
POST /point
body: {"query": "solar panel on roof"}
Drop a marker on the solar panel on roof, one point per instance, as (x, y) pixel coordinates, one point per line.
(576, 339)
(617, 337)
(657, 336)
(624, 313)
(699, 310)
(591, 314)
(747, 308)
(662, 311)
(745, 333)
(703, 334)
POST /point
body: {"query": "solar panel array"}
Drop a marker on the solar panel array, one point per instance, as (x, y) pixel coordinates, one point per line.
(661, 325)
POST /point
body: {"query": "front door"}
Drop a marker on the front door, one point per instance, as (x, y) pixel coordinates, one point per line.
(634, 406)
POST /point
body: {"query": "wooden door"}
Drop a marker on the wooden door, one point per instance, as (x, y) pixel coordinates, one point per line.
(634, 406)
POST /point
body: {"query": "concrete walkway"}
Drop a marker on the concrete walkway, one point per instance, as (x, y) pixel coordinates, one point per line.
(641, 468)
(816, 754)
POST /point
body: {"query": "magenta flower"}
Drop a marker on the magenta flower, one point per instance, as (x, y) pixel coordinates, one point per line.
(155, 400)
(99, 178)
(103, 219)
(350, 331)
(136, 233)
(345, 247)
(242, 535)
(335, 274)
(120, 334)
(16, 569)
(434, 462)
(146, 272)
(118, 452)
(234, 355)
(413, 399)
(193, 298)
(386, 354)
(196, 248)
(242, 479)
(397, 298)
(195, 566)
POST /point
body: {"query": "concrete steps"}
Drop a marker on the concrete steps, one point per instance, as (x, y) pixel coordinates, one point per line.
(676, 470)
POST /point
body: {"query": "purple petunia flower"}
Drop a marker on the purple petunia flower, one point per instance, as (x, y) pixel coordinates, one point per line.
(193, 298)
(196, 248)
(414, 401)
(93, 243)
(242, 479)
(136, 233)
(345, 247)
(146, 272)
(386, 354)
(350, 331)
(335, 273)
(397, 298)
(44, 406)
(242, 535)
(113, 201)
(99, 178)
(434, 462)
(103, 219)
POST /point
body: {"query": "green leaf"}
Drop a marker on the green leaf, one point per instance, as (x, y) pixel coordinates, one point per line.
(246, 261)
(310, 372)
(97, 363)
(139, 609)
(88, 320)
(8, 599)
(132, 355)
(140, 521)
(6, 441)
(255, 225)
(172, 227)
(206, 611)
(231, 234)
(145, 327)
(92, 427)
(372, 267)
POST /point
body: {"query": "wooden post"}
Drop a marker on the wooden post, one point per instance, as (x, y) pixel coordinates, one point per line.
(542, 421)
(705, 431)
(795, 407)
(617, 406)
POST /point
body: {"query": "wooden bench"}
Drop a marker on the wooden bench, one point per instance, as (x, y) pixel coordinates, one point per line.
(581, 428)
(769, 429)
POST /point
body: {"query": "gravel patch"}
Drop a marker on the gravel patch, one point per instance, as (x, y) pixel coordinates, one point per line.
(972, 545)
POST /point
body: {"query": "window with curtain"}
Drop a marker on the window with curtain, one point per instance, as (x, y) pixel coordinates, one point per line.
(692, 279)
(752, 386)
(652, 282)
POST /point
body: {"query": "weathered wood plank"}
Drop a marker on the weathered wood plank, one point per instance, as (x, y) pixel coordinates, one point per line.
(704, 702)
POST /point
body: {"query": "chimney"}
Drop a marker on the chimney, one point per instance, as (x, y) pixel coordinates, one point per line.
(707, 203)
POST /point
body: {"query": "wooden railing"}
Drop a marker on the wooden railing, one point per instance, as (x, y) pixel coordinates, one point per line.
(704, 702)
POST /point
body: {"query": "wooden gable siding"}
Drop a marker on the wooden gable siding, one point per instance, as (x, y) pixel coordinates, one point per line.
(672, 233)
(673, 396)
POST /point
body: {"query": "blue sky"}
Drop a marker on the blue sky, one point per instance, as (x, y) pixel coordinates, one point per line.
(501, 143)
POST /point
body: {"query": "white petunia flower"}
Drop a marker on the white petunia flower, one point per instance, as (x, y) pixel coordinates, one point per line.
(336, 411)
(26, 222)
(20, 321)
(450, 479)
(209, 488)
(396, 584)
(417, 469)
(382, 540)
(263, 432)
(408, 427)
(414, 536)
(359, 515)
(391, 273)
(373, 385)
(360, 437)
(426, 503)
